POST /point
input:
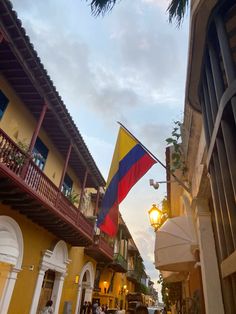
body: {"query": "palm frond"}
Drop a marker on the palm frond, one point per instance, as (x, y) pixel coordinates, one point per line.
(177, 10)
(100, 7)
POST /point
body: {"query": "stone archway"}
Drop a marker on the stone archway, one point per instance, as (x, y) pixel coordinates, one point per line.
(55, 260)
(86, 282)
(11, 254)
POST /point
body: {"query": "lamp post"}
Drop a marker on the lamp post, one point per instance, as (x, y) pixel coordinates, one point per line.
(155, 216)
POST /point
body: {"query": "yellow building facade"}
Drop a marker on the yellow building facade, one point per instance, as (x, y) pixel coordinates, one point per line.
(49, 189)
(37, 245)
(50, 193)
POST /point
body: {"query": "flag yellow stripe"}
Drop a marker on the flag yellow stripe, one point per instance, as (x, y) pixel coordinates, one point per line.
(124, 144)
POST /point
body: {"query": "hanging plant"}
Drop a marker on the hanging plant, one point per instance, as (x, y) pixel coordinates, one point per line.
(177, 156)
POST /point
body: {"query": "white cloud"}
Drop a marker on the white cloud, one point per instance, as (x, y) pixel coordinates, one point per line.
(128, 66)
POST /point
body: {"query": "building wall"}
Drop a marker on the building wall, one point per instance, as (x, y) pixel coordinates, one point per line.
(19, 124)
(71, 288)
(17, 121)
(116, 297)
(36, 240)
(215, 98)
(4, 271)
(195, 288)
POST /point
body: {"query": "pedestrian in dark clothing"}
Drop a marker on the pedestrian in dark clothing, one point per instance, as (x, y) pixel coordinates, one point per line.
(84, 308)
(95, 305)
(89, 308)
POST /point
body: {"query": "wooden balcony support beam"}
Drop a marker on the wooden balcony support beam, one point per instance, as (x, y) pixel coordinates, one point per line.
(97, 201)
(82, 192)
(65, 165)
(37, 129)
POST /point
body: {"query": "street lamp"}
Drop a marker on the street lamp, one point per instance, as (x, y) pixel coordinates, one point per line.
(123, 290)
(155, 216)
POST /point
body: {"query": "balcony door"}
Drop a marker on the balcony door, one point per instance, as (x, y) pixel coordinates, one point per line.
(67, 185)
(40, 154)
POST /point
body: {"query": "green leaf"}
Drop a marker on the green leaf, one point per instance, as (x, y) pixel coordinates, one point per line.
(169, 140)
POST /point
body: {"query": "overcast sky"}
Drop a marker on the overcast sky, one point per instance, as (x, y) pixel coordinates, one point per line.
(128, 66)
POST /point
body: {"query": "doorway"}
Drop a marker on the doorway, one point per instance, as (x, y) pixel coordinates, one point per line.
(47, 288)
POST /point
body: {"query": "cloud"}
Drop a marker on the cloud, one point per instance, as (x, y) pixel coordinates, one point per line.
(128, 66)
(138, 67)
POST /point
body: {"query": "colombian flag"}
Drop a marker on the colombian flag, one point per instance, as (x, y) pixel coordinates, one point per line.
(129, 163)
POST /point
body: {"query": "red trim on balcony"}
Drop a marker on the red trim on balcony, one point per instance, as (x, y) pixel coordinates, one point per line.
(101, 250)
(37, 197)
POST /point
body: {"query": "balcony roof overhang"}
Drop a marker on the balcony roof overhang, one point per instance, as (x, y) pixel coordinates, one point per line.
(170, 276)
(47, 207)
(174, 245)
(22, 67)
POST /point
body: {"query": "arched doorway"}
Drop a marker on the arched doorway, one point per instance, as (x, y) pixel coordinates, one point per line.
(86, 283)
(11, 255)
(50, 278)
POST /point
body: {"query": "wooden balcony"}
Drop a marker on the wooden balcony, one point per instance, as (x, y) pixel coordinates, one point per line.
(133, 276)
(119, 264)
(100, 250)
(25, 188)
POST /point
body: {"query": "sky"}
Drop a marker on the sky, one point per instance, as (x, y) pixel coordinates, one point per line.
(128, 66)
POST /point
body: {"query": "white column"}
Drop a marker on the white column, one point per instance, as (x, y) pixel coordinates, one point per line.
(57, 291)
(208, 259)
(77, 307)
(37, 291)
(8, 290)
(88, 294)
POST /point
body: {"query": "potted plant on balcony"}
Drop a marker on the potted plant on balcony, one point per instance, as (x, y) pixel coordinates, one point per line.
(73, 197)
(14, 157)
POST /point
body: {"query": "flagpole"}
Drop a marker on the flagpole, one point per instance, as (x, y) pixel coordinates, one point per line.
(154, 157)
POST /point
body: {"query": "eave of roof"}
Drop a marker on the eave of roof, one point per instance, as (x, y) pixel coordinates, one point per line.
(200, 13)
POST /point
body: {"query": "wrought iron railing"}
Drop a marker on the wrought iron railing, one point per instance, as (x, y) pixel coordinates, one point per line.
(132, 274)
(119, 259)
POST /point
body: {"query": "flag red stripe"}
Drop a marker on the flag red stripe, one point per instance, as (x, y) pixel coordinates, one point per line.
(110, 223)
(133, 175)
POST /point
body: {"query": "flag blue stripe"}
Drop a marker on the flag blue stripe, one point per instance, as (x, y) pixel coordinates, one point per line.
(125, 164)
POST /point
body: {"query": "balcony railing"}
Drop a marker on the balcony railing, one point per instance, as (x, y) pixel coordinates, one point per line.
(101, 250)
(133, 275)
(119, 263)
(18, 165)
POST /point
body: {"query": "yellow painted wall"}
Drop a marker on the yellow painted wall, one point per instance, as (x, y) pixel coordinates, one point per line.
(195, 284)
(114, 296)
(16, 118)
(130, 286)
(36, 240)
(19, 124)
(70, 289)
(4, 272)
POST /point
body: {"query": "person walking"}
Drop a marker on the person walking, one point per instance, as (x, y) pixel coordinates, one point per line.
(89, 308)
(48, 309)
(84, 308)
(99, 310)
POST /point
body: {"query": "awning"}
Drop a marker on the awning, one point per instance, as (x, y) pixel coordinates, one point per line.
(172, 276)
(174, 245)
